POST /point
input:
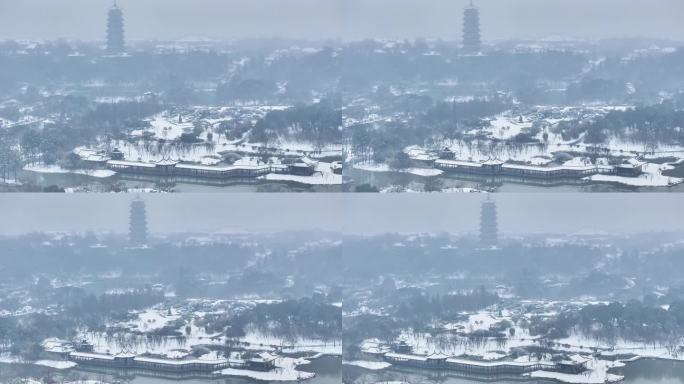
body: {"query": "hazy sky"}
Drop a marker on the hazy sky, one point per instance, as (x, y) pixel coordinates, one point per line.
(347, 19)
(354, 213)
(201, 212)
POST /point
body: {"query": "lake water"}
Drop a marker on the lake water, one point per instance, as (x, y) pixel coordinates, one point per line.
(650, 371)
(645, 371)
(383, 180)
(326, 368)
(93, 184)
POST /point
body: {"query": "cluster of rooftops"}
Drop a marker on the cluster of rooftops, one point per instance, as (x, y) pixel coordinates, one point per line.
(261, 362)
(82, 353)
(446, 162)
(438, 360)
(167, 167)
(401, 353)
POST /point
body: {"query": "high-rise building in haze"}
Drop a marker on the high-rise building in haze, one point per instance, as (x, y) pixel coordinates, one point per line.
(471, 29)
(115, 30)
(489, 227)
(137, 224)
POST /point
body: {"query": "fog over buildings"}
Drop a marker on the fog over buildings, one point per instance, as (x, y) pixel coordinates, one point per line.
(346, 19)
(196, 213)
(518, 213)
(498, 201)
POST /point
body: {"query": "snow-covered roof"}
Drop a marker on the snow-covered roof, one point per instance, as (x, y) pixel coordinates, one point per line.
(403, 356)
(219, 169)
(437, 356)
(455, 360)
(267, 356)
(499, 363)
(158, 360)
(308, 161)
(459, 163)
(166, 162)
(91, 355)
(131, 163)
(550, 169)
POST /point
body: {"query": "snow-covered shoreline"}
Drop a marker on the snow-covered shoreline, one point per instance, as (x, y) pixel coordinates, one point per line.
(56, 169)
(600, 357)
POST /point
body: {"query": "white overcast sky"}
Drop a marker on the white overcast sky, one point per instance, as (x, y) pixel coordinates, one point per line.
(352, 213)
(346, 19)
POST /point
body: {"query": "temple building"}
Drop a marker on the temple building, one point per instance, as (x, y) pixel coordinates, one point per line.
(471, 29)
(115, 30)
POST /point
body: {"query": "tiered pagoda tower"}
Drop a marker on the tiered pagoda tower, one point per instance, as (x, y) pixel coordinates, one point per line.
(471, 29)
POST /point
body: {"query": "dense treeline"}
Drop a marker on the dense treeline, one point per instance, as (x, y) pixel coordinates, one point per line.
(80, 123)
(234, 264)
(412, 308)
(116, 119)
(320, 123)
(384, 141)
(394, 253)
(63, 258)
(418, 307)
(158, 71)
(655, 124)
(37, 254)
(634, 320)
(454, 112)
(409, 62)
(93, 311)
(305, 318)
(24, 333)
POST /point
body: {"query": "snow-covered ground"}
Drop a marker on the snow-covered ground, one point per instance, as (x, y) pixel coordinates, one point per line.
(99, 173)
(163, 126)
(169, 128)
(123, 340)
(151, 319)
(259, 340)
(403, 189)
(57, 364)
(652, 176)
(579, 342)
(323, 175)
(211, 155)
(494, 142)
(158, 317)
(505, 127)
(596, 373)
(160, 141)
(577, 346)
(373, 167)
(11, 182)
(372, 365)
(286, 370)
(33, 381)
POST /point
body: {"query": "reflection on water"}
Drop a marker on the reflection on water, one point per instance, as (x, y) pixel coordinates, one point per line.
(382, 180)
(327, 369)
(653, 372)
(645, 371)
(93, 184)
(413, 376)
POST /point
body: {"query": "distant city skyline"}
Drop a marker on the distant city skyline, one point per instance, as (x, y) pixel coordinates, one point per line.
(345, 19)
